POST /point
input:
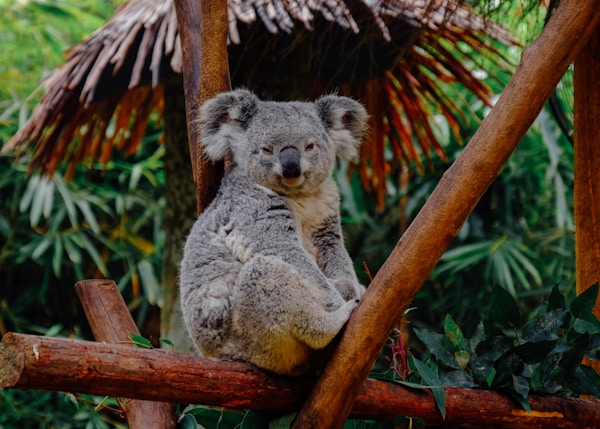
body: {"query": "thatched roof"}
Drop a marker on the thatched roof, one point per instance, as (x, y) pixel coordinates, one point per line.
(102, 96)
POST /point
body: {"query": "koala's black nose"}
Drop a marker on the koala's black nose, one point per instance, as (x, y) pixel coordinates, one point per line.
(290, 162)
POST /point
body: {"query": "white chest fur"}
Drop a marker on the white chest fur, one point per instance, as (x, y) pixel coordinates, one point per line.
(312, 210)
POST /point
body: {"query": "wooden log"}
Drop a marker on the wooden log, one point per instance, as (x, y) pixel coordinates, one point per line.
(542, 65)
(111, 322)
(587, 169)
(43, 363)
(587, 165)
(203, 33)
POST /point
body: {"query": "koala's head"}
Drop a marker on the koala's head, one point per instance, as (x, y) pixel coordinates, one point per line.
(289, 147)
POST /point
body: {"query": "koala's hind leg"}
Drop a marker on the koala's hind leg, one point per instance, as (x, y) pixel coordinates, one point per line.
(277, 302)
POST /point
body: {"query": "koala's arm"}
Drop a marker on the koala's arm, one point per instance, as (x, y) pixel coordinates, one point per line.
(333, 258)
(263, 225)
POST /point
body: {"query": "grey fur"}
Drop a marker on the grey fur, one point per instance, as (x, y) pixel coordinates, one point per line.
(265, 276)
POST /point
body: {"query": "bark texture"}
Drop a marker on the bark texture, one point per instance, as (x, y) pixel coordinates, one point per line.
(203, 33)
(43, 363)
(587, 165)
(112, 323)
(587, 169)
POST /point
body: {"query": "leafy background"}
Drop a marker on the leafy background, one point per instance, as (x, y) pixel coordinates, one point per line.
(516, 247)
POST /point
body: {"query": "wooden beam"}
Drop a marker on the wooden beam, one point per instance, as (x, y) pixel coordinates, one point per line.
(112, 323)
(43, 363)
(203, 30)
(542, 65)
(587, 169)
(587, 165)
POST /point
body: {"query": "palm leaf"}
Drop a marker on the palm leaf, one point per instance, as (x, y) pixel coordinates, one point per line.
(101, 98)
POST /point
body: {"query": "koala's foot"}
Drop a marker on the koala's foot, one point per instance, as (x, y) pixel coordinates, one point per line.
(318, 330)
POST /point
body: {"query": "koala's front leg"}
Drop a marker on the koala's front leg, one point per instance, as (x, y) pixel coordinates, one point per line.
(277, 301)
(333, 259)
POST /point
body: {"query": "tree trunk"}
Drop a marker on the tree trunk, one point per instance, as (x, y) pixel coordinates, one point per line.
(44, 363)
(587, 168)
(457, 193)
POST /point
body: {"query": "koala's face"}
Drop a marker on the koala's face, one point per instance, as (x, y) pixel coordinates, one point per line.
(289, 147)
(286, 148)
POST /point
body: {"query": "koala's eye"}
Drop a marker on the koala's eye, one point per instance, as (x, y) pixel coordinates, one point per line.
(309, 146)
(267, 150)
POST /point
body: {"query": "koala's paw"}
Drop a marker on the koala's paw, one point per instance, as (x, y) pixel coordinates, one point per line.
(239, 247)
(349, 289)
(349, 307)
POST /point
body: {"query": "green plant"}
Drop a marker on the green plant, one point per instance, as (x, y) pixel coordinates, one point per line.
(33, 36)
(105, 222)
(543, 355)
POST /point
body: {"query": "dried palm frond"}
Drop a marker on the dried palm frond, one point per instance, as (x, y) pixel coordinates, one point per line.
(103, 94)
(413, 95)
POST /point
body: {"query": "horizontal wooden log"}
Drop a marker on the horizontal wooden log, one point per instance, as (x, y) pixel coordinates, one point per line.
(42, 363)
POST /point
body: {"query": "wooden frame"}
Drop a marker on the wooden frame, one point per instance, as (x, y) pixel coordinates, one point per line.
(335, 394)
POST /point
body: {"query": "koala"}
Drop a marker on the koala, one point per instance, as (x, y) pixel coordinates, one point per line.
(265, 277)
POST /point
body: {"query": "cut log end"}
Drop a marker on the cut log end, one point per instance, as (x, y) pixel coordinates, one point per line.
(12, 361)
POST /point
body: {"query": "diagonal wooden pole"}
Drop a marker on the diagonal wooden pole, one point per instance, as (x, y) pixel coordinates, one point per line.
(542, 65)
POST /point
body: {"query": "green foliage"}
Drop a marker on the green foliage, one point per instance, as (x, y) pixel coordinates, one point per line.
(105, 222)
(34, 410)
(220, 418)
(541, 356)
(33, 36)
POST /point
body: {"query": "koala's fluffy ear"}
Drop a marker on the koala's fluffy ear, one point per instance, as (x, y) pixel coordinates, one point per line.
(345, 120)
(224, 119)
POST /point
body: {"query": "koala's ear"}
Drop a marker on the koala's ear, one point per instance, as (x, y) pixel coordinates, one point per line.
(224, 119)
(346, 121)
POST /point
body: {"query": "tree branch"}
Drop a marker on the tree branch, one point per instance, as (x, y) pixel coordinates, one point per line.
(457, 193)
(43, 363)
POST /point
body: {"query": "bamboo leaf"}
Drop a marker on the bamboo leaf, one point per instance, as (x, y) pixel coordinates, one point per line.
(94, 254)
(73, 251)
(27, 197)
(150, 282)
(37, 203)
(57, 256)
(88, 214)
(67, 200)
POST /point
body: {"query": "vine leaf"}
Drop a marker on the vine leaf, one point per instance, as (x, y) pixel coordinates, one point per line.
(432, 380)
(504, 311)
